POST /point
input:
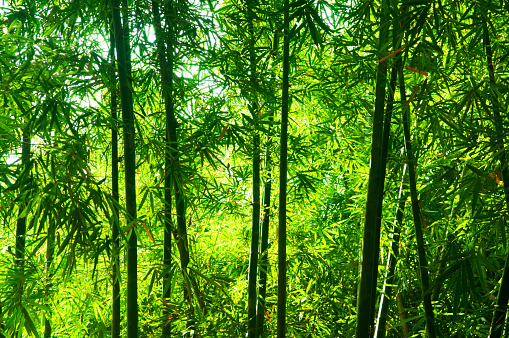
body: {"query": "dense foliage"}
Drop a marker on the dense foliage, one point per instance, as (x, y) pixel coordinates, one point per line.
(394, 156)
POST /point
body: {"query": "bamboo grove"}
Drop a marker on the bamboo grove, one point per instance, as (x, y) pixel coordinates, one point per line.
(299, 168)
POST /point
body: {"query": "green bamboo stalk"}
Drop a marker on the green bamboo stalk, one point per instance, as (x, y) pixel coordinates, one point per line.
(50, 251)
(401, 313)
(115, 266)
(500, 312)
(255, 222)
(172, 136)
(21, 224)
(264, 264)
(369, 265)
(283, 169)
(392, 259)
(2, 326)
(172, 163)
(264, 241)
(130, 170)
(166, 69)
(423, 264)
(385, 151)
(384, 304)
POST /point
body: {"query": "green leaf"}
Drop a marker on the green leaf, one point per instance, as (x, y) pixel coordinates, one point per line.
(314, 13)
(312, 29)
(448, 273)
(29, 324)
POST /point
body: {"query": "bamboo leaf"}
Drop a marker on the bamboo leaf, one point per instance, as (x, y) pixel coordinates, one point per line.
(148, 232)
(312, 29)
(29, 324)
(448, 273)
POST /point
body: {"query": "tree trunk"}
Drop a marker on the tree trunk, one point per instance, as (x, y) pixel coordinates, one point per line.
(283, 169)
(423, 264)
(369, 266)
(130, 170)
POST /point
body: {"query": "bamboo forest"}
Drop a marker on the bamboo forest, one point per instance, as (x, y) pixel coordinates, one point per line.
(254, 168)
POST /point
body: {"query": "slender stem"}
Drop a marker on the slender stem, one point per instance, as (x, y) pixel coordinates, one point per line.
(115, 268)
(21, 226)
(2, 326)
(172, 135)
(283, 167)
(386, 296)
(173, 179)
(499, 315)
(166, 67)
(369, 266)
(384, 300)
(130, 170)
(423, 263)
(385, 152)
(264, 264)
(255, 220)
(50, 250)
(264, 241)
(402, 313)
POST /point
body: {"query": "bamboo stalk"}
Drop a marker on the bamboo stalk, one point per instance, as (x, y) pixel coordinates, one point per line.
(500, 312)
(411, 161)
(130, 168)
(385, 298)
(283, 169)
(166, 70)
(370, 253)
(255, 219)
(115, 267)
